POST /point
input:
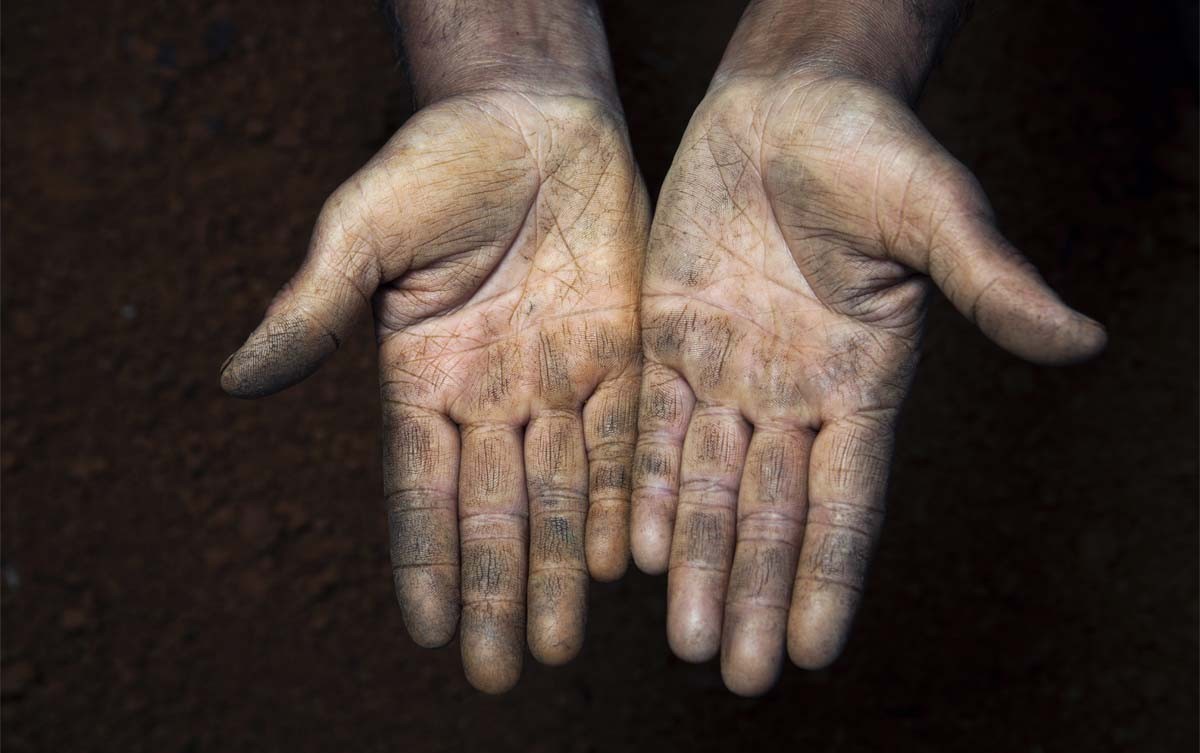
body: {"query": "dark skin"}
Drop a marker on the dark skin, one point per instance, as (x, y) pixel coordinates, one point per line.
(499, 239)
(795, 242)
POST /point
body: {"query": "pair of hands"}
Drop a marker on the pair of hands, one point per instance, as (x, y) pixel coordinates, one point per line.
(732, 371)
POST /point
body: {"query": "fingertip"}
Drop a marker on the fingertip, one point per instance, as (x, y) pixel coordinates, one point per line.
(1060, 338)
(817, 631)
(692, 643)
(432, 634)
(237, 377)
(1090, 341)
(430, 609)
(649, 542)
(692, 635)
(493, 645)
(747, 684)
(557, 615)
(607, 541)
(493, 679)
(281, 352)
(650, 557)
(488, 667)
(814, 652)
(608, 565)
(1026, 318)
(752, 654)
(552, 642)
(555, 652)
(230, 379)
(248, 383)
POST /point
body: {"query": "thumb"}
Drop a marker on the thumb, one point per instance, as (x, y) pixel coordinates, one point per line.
(998, 289)
(312, 315)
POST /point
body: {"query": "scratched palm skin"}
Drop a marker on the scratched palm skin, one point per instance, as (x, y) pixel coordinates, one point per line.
(498, 239)
(786, 278)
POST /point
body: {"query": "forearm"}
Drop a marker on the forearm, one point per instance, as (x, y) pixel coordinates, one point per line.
(544, 46)
(893, 43)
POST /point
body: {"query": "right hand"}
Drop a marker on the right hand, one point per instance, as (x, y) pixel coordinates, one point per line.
(498, 238)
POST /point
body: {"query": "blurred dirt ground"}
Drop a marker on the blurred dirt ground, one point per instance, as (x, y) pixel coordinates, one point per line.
(184, 572)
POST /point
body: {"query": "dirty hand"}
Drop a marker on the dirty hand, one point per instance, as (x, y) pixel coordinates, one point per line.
(795, 238)
(498, 239)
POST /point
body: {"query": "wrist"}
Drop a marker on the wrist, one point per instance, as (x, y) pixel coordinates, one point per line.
(890, 43)
(543, 47)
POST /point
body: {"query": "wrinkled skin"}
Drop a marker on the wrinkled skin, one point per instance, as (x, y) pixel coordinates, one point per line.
(789, 263)
(498, 239)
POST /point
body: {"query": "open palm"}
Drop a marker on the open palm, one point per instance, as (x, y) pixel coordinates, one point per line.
(498, 239)
(785, 287)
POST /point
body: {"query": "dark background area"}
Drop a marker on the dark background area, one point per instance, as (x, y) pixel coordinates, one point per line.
(185, 572)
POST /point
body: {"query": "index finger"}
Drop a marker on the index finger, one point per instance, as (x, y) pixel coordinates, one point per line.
(848, 474)
(420, 472)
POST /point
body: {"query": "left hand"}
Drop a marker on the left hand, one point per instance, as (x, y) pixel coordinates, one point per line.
(785, 287)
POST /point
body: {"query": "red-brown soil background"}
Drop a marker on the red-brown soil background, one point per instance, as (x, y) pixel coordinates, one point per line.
(185, 572)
